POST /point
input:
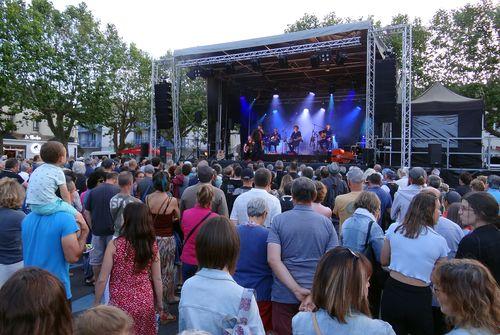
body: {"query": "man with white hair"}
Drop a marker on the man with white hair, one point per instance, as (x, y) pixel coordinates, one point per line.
(403, 177)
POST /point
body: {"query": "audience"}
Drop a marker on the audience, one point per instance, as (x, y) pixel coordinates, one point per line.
(119, 201)
(344, 203)
(205, 176)
(320, 196)
(211, 300)
(11, 253)
(165, 211)
(104, 319)
(252, 269)
(132, 264)
(480, 210)
(192, 219)
(373, 184)
(411, 249)
(493, 185)
(340, 294)
(404, 195)
(464, 183)
(33, 301)
(292, 257)
(262, 180)
(469, 296)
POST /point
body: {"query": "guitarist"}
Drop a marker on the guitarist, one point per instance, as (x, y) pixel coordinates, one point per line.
(274, 140)
(295, 139)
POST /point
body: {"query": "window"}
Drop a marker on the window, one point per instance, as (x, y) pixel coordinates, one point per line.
(36, 125)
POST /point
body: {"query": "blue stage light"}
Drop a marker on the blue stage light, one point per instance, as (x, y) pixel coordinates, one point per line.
(306, 110)
(322, 110)
(276, 96)
(311, 93)
(275, 111)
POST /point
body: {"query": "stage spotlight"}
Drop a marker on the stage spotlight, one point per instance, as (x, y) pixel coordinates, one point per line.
(283, 61)
(255, 64)
(331, 89)
(340, 58)
(312, 93)
(306, 110)
(229, 67)
(275, 111)
(276, 96)
(322, 110)
(325, 56)
(314, 59)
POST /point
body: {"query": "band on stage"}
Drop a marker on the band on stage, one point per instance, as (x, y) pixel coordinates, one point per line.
(322, 142)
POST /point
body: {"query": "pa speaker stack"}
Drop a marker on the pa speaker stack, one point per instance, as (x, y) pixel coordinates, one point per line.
(163, 105)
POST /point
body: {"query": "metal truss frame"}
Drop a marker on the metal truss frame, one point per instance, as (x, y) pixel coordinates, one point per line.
(405, 30)
(295, 49)
(405, 83)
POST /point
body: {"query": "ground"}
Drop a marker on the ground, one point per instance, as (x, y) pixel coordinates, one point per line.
(83, 297)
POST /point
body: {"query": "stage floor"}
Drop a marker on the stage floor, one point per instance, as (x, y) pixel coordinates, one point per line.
(314, 158)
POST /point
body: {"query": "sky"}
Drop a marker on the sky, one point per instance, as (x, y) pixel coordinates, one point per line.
(159, 25)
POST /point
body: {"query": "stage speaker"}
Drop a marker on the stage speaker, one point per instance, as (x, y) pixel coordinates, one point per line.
(434, 150)
(163, 105)
(368, 156)
(144, 149)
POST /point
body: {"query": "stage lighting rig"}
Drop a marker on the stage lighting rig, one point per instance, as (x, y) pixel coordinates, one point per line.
(325, 56)
(283, 61)
(314, 59)
(195, 72)
(255, 64)
(331, 89)
(229, 68)
(340, 58)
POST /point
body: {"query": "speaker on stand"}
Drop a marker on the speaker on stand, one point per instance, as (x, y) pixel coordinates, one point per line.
(435, 154)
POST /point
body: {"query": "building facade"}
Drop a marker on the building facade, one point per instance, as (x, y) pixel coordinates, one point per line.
(27, 139)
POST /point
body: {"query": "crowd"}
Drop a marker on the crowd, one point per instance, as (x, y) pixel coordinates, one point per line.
(246, 248)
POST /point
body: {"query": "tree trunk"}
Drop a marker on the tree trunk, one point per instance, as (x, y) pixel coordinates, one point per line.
(115, 139)
(1, 144)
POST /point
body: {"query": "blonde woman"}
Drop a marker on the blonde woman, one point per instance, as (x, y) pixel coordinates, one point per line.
(11, 254)
(469, 296)
(340, 294)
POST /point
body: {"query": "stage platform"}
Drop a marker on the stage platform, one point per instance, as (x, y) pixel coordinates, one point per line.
(316, 158)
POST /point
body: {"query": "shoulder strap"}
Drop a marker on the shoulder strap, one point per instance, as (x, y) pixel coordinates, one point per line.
(168, 204)
(315, 324)
(159, 208)
(367, 241)
(195, 227)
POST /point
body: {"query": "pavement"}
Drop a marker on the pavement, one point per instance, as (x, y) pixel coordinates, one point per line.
(83, 298)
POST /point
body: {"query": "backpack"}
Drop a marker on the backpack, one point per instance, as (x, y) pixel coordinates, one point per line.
(241, 327)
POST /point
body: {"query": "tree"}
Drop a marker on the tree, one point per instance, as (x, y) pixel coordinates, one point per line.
(58, 65)
(463, 53)
(130, 72)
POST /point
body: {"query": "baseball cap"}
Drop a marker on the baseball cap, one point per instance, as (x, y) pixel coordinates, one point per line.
(333, 168)
(416, 173)
(391, 174)
(355, 175)
(247, 173)
(452, 197)
(149, 169)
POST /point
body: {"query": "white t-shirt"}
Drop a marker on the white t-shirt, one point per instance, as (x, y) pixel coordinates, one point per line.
(43, 184)
(416, 257)
(239, 212)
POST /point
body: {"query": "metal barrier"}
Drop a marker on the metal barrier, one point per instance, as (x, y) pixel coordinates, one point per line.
(447, 143)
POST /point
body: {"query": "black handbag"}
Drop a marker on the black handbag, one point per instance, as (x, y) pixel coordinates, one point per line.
(379, 275)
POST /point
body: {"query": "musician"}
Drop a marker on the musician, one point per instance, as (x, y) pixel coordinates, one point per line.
(247, 148)
(295, 139)
(261, 130)
(274, 140)
(257, 152)
(325, 143)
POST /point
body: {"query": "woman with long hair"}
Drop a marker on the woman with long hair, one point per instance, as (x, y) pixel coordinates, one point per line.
(469, 296)
(340, 296)
(211, 300)
(257, 148)
(411, 250)
(480, 210)
(164, 209)
(11, 252)
(321, 191)
(34, 302)
(132, 263)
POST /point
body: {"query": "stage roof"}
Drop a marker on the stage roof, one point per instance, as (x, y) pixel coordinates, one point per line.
(276, 39)
(300, 77)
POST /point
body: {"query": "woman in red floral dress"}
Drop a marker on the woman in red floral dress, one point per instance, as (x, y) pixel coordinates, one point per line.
(131, 261)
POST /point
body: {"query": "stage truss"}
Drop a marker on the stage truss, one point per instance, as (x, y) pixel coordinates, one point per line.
(170, 69)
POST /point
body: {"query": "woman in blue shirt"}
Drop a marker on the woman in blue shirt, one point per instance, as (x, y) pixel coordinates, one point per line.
(355, 234)
(411, 250)
(340, 294)
(211, 300)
